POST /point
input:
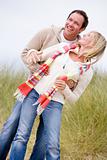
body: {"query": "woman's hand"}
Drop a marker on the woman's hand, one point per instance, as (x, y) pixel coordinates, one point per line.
(60, 84)
(33, 56)
(32, 59)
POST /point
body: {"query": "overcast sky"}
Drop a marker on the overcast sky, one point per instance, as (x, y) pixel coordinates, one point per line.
(21, 19)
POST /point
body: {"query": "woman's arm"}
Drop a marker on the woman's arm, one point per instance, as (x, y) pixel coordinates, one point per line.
(73, 96)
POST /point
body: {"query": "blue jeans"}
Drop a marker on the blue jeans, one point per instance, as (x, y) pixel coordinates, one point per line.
(51, 120)
(9, 130)
(39, 148)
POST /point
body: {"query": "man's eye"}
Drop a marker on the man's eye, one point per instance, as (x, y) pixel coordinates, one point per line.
(70, 19)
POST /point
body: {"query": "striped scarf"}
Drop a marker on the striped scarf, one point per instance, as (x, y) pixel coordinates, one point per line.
(25, 88)
(45, 98)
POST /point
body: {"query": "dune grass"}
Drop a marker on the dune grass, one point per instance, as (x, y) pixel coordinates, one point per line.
(84, 125)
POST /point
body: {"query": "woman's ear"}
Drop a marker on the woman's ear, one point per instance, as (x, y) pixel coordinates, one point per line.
(86, 59)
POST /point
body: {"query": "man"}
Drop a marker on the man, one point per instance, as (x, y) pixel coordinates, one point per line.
(76, 22)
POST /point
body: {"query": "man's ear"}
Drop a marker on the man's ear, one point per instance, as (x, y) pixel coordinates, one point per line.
(81, 30)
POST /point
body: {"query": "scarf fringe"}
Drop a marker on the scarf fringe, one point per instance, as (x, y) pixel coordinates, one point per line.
(19, 96)
(40, 109)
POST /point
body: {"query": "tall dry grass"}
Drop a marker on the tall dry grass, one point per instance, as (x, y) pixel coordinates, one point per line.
(84, 125)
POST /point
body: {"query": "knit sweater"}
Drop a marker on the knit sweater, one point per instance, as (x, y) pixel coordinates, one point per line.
(62, 65)
(47, 38)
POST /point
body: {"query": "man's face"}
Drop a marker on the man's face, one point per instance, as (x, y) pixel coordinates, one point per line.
(73, 26)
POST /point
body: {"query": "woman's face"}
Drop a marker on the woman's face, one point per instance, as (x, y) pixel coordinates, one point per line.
(87, 40)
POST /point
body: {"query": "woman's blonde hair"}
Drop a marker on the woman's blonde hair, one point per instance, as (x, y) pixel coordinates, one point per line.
(97, 50)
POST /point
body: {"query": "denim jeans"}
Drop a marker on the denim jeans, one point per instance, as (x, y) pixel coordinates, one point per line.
(9, 130)
(51, 121)
(39, 148)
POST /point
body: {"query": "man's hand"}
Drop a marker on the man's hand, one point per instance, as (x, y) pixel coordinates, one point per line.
(71, 84)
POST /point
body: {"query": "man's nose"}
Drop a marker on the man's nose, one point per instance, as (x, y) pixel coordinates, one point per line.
(71, 23)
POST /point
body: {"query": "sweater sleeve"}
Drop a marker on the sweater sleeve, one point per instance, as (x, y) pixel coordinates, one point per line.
(35, 43)
(73, 96)
(50, 51)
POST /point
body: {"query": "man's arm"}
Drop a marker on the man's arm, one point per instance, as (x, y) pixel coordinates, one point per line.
(31, 54)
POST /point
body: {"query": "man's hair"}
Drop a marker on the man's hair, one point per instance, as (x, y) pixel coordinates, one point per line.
(82, 13)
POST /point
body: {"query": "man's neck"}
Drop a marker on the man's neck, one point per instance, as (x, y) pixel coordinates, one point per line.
(64, 39)
(69, 38)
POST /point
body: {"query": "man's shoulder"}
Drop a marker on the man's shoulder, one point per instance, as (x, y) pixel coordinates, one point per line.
(56, 28)
(52, 31)
(52, 27)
